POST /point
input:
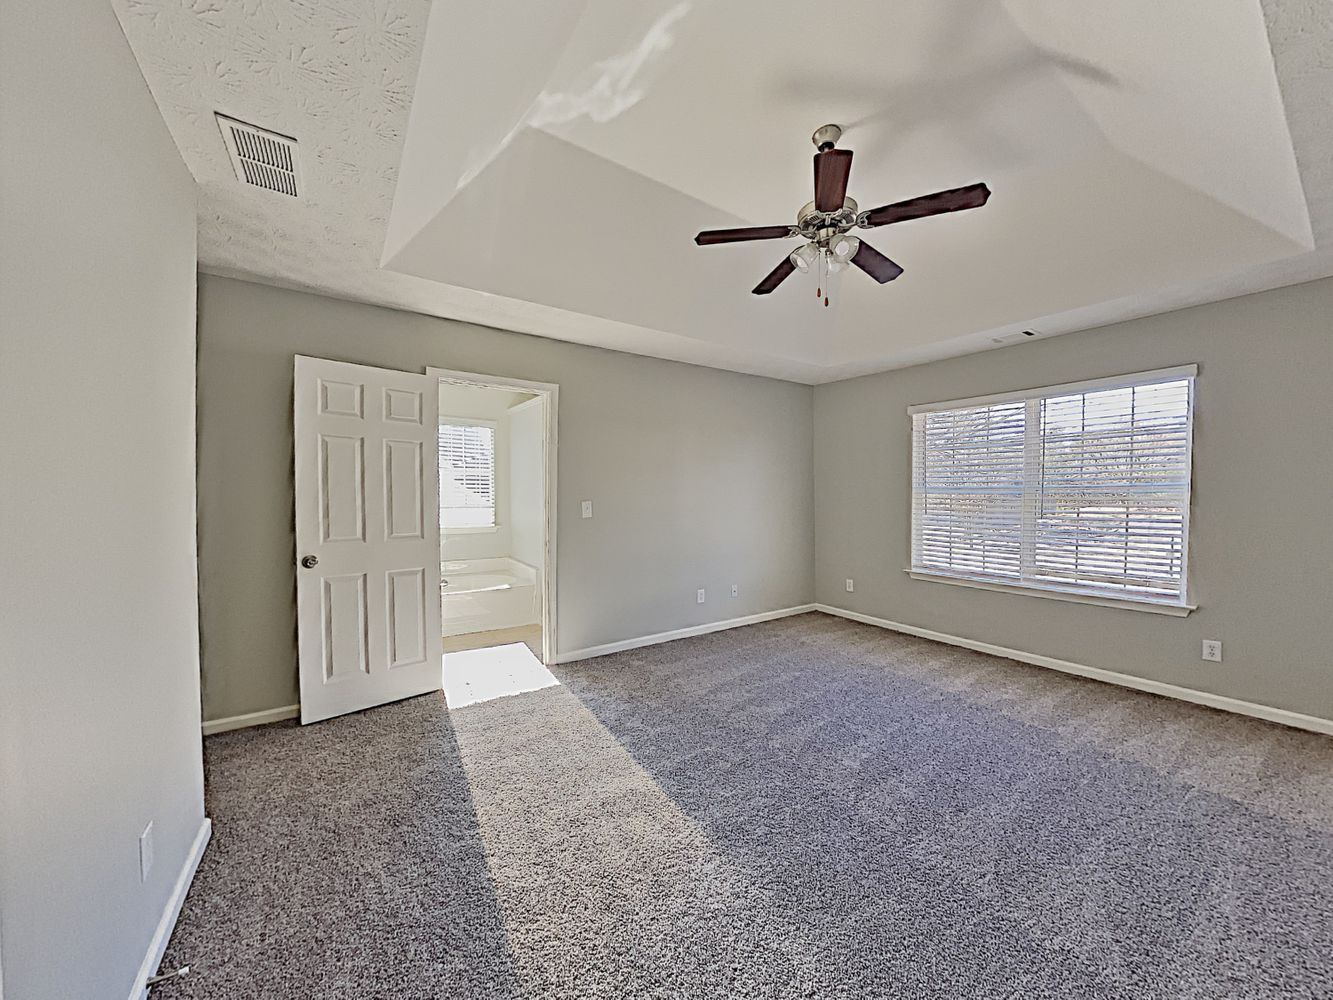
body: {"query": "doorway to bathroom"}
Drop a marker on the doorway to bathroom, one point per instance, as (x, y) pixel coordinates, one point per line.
(496, 448)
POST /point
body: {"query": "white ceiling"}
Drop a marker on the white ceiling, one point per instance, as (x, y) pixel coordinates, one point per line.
(558, 158)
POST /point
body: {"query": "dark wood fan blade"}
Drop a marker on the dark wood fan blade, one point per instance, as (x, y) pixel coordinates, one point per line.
(875, 264)
(711, 236)
(832, 168)
(954, 200)
(775, 277)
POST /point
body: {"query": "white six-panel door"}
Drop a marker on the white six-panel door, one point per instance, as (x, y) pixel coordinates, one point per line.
(367, 536)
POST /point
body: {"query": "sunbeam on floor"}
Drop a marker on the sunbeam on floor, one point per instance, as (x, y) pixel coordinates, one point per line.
(476, 675)
(805, 809)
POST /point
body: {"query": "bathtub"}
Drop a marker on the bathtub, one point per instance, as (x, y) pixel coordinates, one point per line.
(478, 595)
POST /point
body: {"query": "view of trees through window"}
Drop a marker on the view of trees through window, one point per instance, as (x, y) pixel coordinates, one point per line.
(1077, 490)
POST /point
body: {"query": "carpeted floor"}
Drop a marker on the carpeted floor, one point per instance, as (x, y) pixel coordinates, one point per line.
(806, 808)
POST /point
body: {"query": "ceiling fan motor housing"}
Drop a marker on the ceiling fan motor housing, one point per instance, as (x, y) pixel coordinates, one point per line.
(813, 224)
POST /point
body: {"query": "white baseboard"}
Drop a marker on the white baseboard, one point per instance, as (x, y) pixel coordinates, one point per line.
(680, 633)
(1287, 718)
(167, 924)
(293, 711)
(212, 726)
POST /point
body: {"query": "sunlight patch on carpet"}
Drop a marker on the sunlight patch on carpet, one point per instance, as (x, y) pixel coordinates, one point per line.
(477, 675)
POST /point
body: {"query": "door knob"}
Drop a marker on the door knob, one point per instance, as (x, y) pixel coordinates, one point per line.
(310, 562)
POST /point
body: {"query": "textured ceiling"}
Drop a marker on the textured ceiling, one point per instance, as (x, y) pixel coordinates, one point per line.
(340, 76)
(337, 74)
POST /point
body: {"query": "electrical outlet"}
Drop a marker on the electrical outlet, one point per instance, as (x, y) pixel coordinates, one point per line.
(850, 586)
(735, 590)
(1212, 650)
(587, 508)
(146, 852)
(699, 596)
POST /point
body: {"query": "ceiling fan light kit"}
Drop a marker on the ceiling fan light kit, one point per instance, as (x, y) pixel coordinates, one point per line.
(826, 222)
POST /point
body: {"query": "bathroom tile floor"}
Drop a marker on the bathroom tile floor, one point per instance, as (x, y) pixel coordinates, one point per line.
(531, 635)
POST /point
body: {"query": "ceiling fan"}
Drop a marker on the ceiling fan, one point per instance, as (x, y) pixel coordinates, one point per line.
(825, 222)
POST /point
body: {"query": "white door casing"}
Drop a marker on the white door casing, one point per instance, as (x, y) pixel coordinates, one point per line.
(367, 513)
(550, 395)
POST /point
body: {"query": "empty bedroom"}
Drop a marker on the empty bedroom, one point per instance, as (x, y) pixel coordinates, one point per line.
(693, 499)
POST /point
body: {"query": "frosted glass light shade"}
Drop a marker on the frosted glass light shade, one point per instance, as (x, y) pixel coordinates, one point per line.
(843, 248)
(804, 257)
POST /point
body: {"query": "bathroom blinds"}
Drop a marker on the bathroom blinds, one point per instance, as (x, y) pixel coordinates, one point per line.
(467, 476)
(1080, 488)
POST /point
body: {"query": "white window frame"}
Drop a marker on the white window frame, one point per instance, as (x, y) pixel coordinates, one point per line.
(481, 529)
(1080, 594)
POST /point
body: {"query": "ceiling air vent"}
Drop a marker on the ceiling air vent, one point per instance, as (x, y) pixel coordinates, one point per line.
(262, 158)
(1010, 338)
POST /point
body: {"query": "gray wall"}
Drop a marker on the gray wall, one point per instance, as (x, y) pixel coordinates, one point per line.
(527, 486)
(1261, 547)
(700, 478)
(99, 698)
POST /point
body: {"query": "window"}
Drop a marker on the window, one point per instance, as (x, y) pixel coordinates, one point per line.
(467, 475)
(1077, 490)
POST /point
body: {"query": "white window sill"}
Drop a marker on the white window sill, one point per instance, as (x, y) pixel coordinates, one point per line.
(482, 530)
(1176, 610)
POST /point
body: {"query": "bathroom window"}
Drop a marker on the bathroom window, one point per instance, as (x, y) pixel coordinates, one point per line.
(467, 475)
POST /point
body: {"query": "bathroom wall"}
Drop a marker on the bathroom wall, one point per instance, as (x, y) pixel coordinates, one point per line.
(527, 484)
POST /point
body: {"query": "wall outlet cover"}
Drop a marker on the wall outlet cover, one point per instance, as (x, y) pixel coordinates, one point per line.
(1212, 650)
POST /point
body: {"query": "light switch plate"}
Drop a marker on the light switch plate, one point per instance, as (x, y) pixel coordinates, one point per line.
(850, 585)
(587, 508)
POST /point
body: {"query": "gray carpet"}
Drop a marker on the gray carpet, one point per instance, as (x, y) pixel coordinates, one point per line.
(805, 808)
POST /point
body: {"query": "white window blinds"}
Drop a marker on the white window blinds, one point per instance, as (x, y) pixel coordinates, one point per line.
(467, 475)
(1082, 488)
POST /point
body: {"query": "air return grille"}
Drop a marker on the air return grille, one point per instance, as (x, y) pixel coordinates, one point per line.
(1013, 338)
(262, 158)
